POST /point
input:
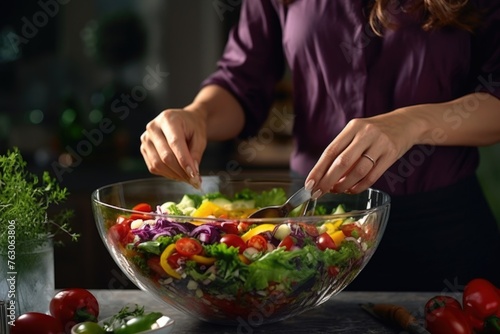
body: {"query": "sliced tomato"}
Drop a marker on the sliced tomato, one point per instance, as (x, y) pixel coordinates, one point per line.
(233, 240)
(325, 241)
(287, 242)
(258, 242)
(188, 246)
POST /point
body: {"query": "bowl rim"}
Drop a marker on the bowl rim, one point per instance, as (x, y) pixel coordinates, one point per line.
(383, 206)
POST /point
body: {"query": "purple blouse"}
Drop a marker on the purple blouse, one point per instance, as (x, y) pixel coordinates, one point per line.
(341, 70)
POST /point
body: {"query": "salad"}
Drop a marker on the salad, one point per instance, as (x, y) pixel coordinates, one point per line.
(226, 266)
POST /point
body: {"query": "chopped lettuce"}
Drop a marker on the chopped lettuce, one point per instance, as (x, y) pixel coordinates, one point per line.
(275, 196)
(158, 246)
(282, 266)
(214, 195)
(230, 270)
(349, 251)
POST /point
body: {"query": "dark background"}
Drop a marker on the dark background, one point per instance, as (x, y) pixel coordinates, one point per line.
(65, 66)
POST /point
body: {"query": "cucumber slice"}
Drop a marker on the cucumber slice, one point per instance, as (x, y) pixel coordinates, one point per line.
(339, 210)
(222, 202)
(243, 204)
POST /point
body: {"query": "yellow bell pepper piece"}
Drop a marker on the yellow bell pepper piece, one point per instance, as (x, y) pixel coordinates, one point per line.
(257, 230)
(208, 208)
(164, 261)
(337, 237)
(333, 226)
(203, 259)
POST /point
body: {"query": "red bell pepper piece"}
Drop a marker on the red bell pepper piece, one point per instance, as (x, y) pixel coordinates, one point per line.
(481, 303)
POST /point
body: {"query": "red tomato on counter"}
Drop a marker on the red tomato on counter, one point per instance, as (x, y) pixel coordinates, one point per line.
(36, 323)
(72, 306)
(444, 315)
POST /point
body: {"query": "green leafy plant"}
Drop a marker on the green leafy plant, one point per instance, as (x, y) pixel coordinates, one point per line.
(25, 200)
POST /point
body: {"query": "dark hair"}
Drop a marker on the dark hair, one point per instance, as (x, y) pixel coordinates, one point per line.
(435, 13)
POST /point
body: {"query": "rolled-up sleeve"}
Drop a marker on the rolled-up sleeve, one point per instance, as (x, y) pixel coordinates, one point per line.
(252, 62)
(486, 50)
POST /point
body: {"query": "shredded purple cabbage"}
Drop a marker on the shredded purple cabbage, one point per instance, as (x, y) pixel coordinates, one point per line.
(297, 232)
(162, 227)
(207, 234)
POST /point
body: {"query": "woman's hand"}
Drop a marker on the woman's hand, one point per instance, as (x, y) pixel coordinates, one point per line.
(174, 141)
(173, 144)
(361, 153)
(367, 147)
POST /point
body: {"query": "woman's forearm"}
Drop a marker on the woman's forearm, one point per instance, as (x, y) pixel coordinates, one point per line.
(472, 120)
(223, 114)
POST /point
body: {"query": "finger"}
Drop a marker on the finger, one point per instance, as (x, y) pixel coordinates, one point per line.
(157, 166)
(177, 139)
(159, 157)
(342, 165)
(197, 147)
(358, 172)
(318, 176)
(375, 173)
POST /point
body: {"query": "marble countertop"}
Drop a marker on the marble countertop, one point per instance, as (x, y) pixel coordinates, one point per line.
(341, 314)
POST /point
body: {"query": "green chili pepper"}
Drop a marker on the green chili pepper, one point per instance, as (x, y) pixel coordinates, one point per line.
(138, 324)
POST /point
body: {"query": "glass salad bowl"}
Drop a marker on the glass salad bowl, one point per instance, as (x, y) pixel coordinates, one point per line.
(196, 250)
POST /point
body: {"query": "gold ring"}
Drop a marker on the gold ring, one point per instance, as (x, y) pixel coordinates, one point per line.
(369, 158)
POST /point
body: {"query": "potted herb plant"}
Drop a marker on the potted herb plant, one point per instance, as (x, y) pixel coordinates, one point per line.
(27, 234)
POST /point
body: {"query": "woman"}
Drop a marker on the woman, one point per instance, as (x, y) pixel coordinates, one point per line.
(395, 96)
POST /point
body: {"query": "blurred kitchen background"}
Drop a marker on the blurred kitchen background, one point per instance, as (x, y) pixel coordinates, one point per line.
(79, 80)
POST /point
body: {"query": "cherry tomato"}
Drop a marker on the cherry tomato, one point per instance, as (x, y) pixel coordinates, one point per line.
(310, 229)
(154, 265)
(242, 227)
(176, 259)
(121, 219)
(74, 305)
(233, 240)
(352, 230)
(287, 242)
(188, 246)
(121, 232)
(258, 242)
(143, 207)
(442, 316)
(88, 327)
(229, 227)
(325, 241)
(333, 271)
(441, 301)
(36, 323)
